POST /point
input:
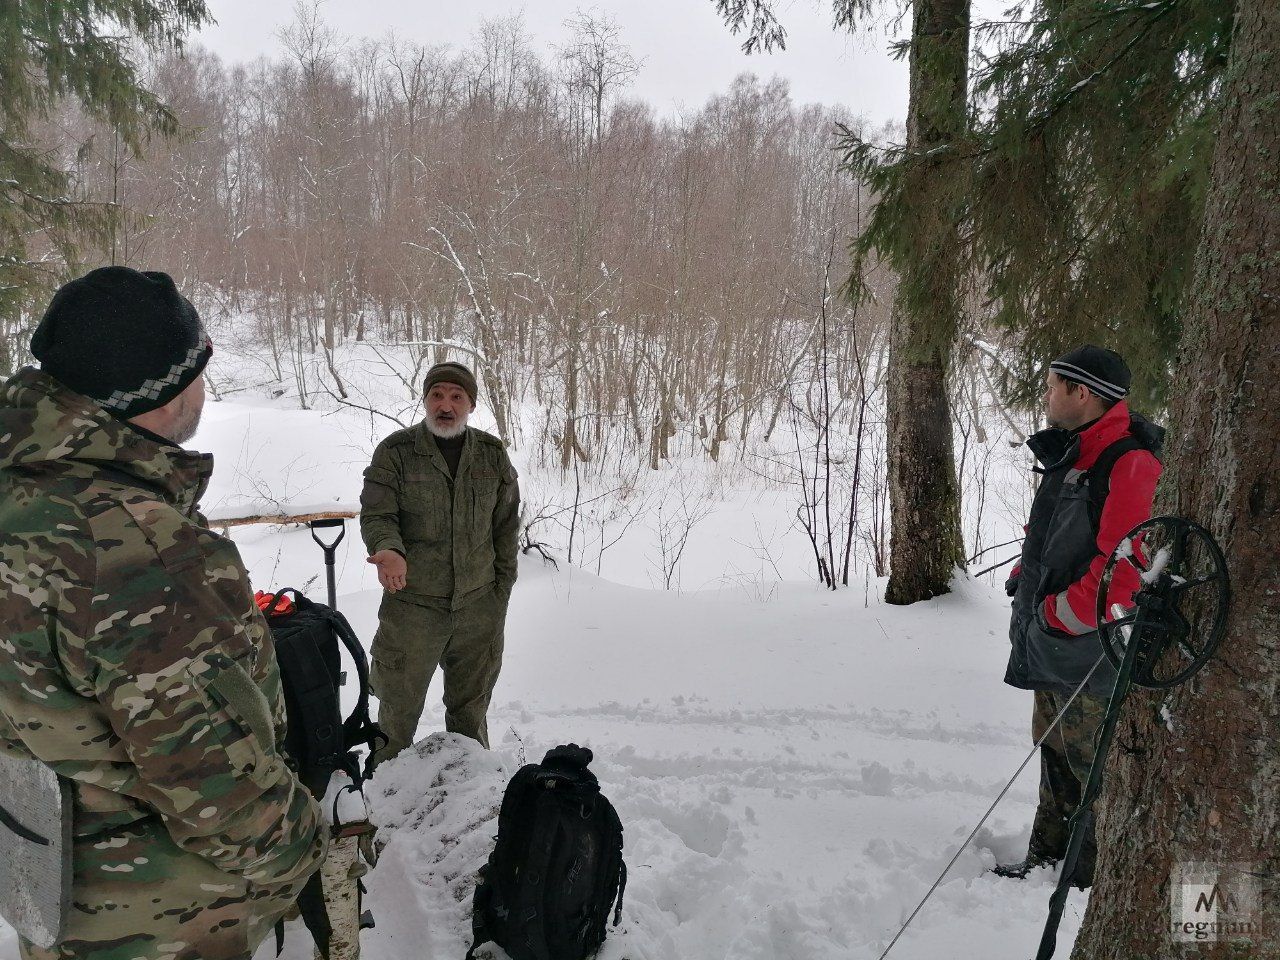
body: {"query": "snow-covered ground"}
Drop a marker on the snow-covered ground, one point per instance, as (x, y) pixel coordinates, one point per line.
(792, 775)
(792, 767)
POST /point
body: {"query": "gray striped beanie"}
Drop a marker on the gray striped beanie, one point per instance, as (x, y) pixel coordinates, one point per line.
(125, 339)
(1098, 369)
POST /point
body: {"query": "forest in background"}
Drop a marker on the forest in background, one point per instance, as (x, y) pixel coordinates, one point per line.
(611, 265)
(659, 287)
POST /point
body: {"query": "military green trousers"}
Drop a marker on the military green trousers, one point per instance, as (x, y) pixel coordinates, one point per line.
(1065, 759)
(414, 638)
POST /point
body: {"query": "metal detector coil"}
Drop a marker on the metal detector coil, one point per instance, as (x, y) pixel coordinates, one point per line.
(1177, 560)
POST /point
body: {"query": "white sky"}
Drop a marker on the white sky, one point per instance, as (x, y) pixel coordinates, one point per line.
(687, 51)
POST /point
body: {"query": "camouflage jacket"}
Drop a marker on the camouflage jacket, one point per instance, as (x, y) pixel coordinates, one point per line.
(133, 660)
(458, 534)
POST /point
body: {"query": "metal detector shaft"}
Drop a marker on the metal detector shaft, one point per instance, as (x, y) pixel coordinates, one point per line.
(991, 809)
(1083, 815)
(1156, 612)
(330, 553)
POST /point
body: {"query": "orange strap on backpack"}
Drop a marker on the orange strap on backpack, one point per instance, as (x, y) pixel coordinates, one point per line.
(265, 600)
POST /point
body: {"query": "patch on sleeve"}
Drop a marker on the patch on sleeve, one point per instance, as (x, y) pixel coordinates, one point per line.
(380, 475)
(372, 495)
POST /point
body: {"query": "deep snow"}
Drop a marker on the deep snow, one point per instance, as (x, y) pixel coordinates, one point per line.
(791, 775)
(792, 767)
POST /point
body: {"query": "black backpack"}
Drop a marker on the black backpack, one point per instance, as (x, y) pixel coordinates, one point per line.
(556, 871)
(318, 740)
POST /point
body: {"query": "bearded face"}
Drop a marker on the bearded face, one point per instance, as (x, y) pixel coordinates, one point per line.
(448, 409)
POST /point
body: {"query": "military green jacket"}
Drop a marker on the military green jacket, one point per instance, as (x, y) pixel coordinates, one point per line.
(133, 659)
(458, 535)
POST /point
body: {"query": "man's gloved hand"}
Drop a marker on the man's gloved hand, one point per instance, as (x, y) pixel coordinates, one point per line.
(392, 569)
(1011, 585)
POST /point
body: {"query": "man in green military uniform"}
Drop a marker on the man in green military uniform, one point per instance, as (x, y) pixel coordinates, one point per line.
(440, 512)
(133, 661)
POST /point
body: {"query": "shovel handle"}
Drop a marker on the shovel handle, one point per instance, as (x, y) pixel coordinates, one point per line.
(330, 551)
(328, 522)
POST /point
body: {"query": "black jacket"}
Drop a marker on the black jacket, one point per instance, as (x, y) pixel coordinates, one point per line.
(1060, 546)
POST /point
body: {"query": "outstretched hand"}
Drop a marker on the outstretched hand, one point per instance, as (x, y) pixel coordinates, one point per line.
(392, 570)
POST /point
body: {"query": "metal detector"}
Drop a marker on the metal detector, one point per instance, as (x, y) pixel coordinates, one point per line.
(1158, 643)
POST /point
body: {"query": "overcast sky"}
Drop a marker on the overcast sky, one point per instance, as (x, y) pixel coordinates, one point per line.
(688, 52)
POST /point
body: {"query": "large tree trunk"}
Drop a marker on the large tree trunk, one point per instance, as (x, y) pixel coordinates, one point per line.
(924, 496)
(1205, 787)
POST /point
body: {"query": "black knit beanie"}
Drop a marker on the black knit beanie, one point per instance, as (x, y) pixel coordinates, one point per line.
(125, 339)
(1098, 369)
(451, 372)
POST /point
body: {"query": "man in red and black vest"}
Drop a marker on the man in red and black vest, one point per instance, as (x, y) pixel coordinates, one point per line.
(1099, 467)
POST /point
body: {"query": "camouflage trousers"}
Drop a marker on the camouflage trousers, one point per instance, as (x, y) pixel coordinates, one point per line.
(1065, 759)
(135, 895)
(412, 640)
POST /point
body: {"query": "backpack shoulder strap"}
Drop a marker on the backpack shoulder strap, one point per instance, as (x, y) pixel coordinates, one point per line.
(533, 888)
(312, 907)
(614, 825)
(302, 669)
(1098, 476)
(511, 834)
(516, 796)
(358, 729)
(480, 930)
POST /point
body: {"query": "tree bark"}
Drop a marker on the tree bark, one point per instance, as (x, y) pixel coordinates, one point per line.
(1205, 786)
(926, 543)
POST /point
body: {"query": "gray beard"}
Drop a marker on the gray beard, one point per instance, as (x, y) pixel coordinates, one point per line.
(184, 429)
(447, 433)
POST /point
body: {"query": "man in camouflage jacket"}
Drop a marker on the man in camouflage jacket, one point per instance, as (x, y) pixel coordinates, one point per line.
(440, 513)
(133, 660)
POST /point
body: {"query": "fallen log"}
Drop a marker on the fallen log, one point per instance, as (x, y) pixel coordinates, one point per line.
(283, 519)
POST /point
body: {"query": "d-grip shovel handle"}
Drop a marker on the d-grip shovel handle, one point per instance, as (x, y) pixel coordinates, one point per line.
(328, 522)
(330, 551)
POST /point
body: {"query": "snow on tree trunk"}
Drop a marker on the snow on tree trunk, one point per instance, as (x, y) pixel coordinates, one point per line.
(924, 496)
(1204, 785)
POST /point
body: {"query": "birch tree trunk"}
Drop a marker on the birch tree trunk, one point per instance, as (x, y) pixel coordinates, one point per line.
(1204, 786)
